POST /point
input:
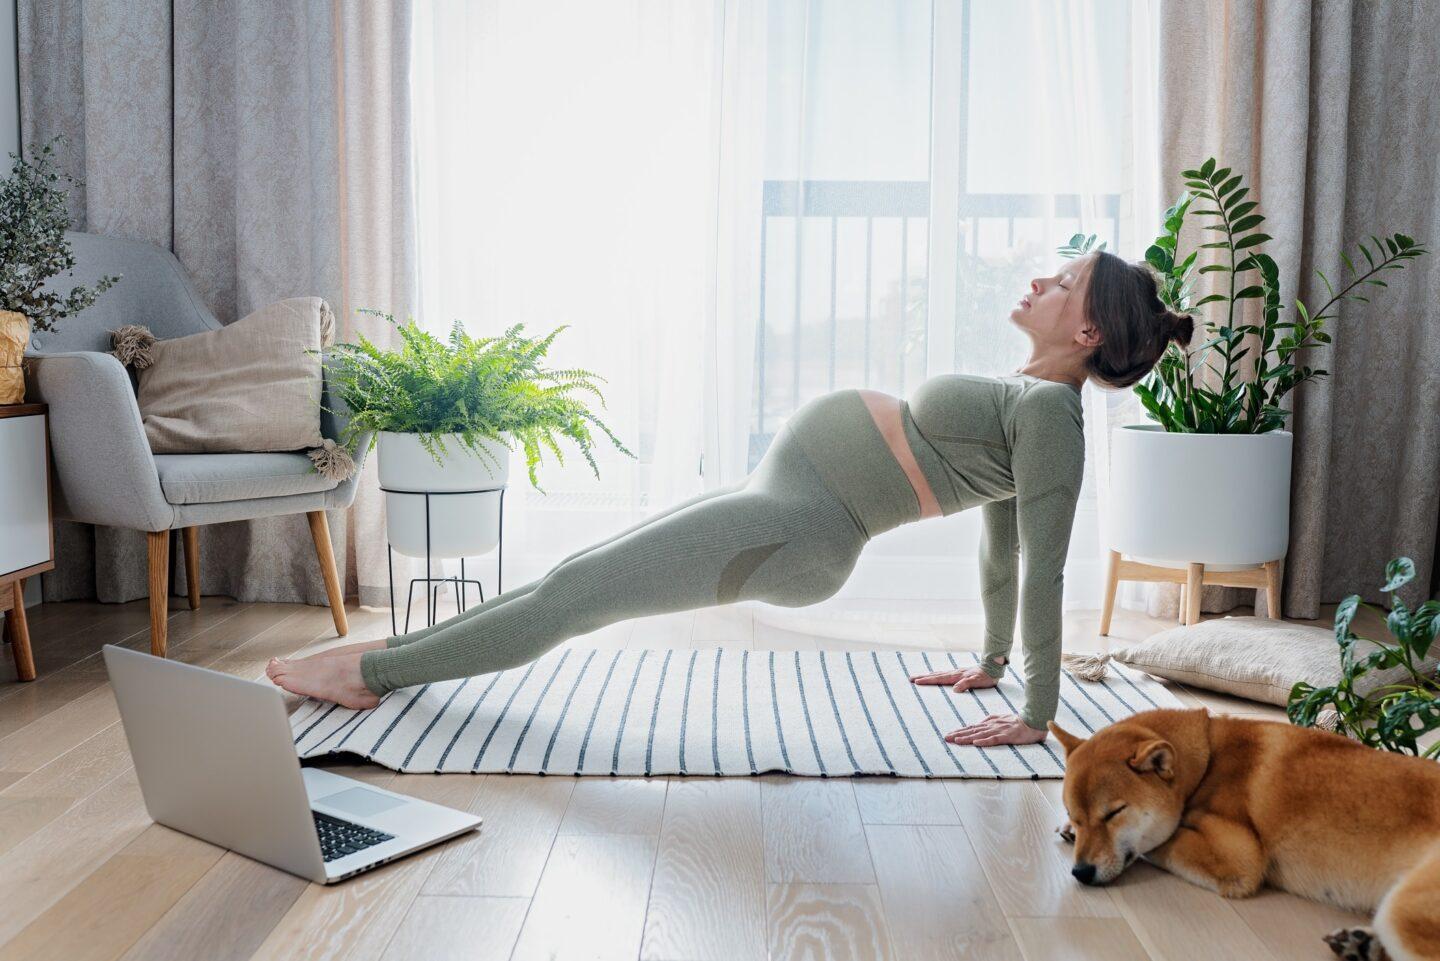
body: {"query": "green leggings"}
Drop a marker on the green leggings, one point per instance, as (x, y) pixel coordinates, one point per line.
(788, 534)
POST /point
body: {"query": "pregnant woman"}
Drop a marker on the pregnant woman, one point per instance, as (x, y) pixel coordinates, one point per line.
(845, 467)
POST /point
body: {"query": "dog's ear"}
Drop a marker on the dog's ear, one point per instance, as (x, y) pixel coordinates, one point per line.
(1067, 740)
(1157, 756)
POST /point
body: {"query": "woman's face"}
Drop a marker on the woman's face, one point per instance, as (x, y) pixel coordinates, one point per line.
(1053, 310)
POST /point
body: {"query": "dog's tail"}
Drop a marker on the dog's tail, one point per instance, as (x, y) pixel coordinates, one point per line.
(1086, 667)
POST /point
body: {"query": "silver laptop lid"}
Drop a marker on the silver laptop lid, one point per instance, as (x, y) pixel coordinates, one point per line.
(214, 757)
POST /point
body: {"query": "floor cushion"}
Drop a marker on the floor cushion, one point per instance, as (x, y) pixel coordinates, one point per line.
(1251, 657)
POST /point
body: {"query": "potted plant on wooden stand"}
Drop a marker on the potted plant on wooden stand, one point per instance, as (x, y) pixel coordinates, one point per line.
(33, 249)
(1218, 435)
(444, 413)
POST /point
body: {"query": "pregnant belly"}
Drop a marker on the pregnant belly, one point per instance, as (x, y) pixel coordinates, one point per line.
(885, 410)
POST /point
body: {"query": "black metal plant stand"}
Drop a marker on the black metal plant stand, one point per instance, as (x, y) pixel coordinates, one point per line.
(432, 584)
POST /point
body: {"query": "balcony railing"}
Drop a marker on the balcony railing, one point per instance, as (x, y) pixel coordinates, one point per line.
(802, 346)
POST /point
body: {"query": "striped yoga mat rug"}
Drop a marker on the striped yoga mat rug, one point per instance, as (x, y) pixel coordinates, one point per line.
(711, 712)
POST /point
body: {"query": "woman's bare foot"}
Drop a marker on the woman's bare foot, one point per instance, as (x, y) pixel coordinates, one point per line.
(334, 679)
(359, 647)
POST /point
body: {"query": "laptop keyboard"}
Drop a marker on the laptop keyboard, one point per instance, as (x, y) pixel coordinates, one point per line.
(339, 838)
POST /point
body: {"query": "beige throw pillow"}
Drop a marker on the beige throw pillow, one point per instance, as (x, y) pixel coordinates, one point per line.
(1251, 657)
(249, 386)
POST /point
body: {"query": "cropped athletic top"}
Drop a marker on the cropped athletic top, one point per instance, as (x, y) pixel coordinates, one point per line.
(1015, 446)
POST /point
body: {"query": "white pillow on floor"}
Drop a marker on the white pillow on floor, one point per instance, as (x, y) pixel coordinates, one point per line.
(1251, 657)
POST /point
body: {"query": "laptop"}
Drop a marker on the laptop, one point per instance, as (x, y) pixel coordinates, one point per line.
(215, 759)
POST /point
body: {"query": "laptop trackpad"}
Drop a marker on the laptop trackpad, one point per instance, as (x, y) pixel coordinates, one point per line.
(361, 802)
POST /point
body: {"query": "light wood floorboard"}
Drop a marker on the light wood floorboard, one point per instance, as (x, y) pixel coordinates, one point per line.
(845, 922)
(662, 869)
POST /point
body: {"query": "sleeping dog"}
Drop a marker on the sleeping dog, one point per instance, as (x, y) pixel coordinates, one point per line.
(1230, 804)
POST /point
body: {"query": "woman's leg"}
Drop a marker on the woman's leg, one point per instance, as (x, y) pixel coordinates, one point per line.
(495, 600)
(782, 536)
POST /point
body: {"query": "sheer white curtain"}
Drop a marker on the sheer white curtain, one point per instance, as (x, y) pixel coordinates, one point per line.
(739, 204)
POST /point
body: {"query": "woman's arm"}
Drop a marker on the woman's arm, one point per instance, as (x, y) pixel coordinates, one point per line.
(999, 576)
(1048, 461)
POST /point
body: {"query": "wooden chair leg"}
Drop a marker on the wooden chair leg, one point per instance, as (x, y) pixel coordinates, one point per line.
(158, 548)
(1112, 584)
(325, 551)
(1192, 593)
(1181, 605)
(191, 537)
(1272, 589)
(19, 632)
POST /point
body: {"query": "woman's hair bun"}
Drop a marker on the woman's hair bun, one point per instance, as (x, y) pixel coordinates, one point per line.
(1181, 327)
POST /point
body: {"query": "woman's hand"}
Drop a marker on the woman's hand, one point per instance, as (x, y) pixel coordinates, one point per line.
(997, 729)
(963, 679)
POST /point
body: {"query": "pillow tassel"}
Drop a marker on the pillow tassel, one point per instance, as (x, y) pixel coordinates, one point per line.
(1328, 720)
(1086, 667)
(327, 324)
(131, 345)
(332, 461)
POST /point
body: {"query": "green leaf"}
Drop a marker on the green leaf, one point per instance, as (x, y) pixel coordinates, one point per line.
(1345, 613)
(1398, 573)
(1207, 168)
(1424, 624)
(1245, 223)
(1251, 240)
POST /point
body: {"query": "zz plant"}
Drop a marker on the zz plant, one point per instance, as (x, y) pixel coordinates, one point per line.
(472, 387)
(1393, 715)
(1233, 400)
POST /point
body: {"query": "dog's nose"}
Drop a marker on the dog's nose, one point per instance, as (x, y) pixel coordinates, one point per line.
(1084, 873)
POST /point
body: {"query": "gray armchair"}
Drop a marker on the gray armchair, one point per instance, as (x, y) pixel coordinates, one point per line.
(104, 472)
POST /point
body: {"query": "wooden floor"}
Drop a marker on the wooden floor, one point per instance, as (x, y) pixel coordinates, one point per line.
(665, 868)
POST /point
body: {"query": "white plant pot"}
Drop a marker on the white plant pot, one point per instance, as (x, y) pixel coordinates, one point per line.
(1222, 500)
(461, 523)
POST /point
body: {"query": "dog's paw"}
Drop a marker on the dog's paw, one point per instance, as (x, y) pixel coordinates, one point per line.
(1066, 832)
(1356, 944)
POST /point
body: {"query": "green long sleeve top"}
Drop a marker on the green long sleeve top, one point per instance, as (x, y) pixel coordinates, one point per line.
(1015, 446)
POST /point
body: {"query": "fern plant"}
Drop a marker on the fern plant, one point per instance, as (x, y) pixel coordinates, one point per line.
(1395, 715)
(476, 388)
(1233, 401)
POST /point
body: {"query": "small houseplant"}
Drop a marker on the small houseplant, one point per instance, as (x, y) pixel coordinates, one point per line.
(1218, 434)
(1392, 712)
(33, 249)
(444, 412)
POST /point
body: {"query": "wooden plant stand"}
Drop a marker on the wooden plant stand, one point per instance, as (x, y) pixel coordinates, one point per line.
(1190, 579)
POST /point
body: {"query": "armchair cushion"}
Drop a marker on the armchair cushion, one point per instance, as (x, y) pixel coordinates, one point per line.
(254, 385)
(214, 478)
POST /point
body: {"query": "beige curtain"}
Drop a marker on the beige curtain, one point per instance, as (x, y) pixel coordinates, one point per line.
(1331, 110)
(267, 144)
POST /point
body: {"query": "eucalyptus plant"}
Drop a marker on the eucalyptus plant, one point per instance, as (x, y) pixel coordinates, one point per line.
(33, 248)
(473, 387)
(1233, 400)
(1393, 715)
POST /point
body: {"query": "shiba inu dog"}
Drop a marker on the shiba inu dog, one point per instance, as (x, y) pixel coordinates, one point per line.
(1230, 804)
